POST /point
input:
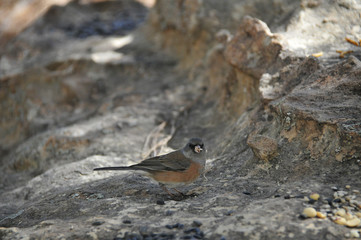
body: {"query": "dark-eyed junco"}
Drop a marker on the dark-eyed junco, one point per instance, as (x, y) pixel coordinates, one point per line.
(180, 167)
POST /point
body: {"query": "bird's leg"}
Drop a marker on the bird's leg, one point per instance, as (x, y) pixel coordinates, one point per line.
(179, 192)
(166, 190)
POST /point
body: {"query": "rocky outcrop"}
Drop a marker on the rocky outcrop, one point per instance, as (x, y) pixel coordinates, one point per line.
(262, 83)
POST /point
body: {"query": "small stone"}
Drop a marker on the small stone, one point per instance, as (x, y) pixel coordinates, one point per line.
(334, 188)
(354, 233)
(287, 196)
(187, 237)
(347, 186)
(340, 220)
(197, 223)
(160, 202)
(169, 213)
(311, 201)
(315, 196)
(321, 215)
(196, 236)
(127, 221)
(276, 196)
(175, 225)
(309, 212)
(358, 214)
(353, 222)
(341, 193)
(180, 226)
(169, 226)
(356, 191)
(341, 212)
(349, 216)
(166, 235)
(246, 193)
(143, 230)
(195, 230)
(329, 201)
(229, 213)
(97, 223)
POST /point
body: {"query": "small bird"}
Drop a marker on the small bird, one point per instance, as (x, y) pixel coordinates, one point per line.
(176, 168)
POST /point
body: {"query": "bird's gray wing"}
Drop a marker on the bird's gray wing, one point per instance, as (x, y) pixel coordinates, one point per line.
(174, 161)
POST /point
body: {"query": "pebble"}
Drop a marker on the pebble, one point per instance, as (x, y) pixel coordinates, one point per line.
(97, 223)
(177, 225)
(246, 193)
(354, 233)
(195, 230)
(180, 226)
(347, 186)
(309, 212)
(169, 226)
(187, 237)
(143, 230)
(340, 220)
(353, 222)
(341, 212)
(315, 196)
(132, 236)
(321, 215)
(349, 216)
(127, 221)
(311, 201)
(197, 223)
(160, 202)
(229, 213)
(169, 213)
(342, 193)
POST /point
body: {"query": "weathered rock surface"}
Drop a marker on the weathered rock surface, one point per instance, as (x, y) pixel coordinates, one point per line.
(81, 88)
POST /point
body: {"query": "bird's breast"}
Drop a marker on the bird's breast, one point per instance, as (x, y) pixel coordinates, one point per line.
(176, 177)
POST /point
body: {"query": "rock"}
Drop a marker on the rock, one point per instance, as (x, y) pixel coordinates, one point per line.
(309, 212)
(265, 148)
(321, 215)
(315, 196)
(354, 234)
(355, 222)
(197, 223)
(80, 89)
(254, 48)
(340, 220)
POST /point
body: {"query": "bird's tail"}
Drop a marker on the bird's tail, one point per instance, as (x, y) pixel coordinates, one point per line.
(113, 168)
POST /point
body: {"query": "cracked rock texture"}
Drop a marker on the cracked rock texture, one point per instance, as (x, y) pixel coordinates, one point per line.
(107, 83)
